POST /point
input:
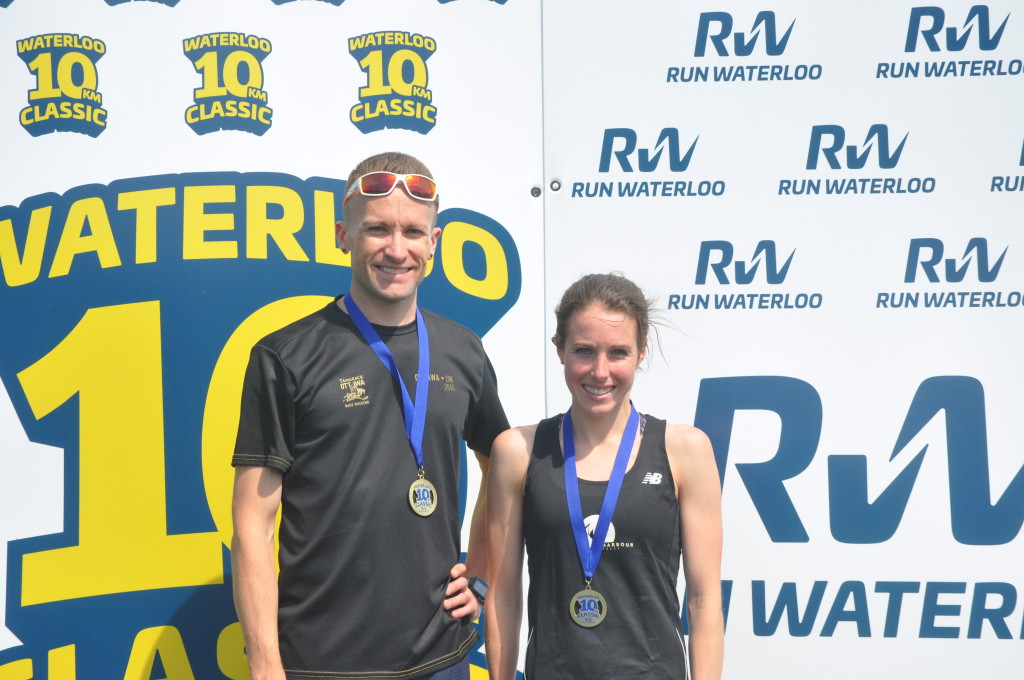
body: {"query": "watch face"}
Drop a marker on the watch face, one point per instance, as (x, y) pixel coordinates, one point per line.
(479, 587)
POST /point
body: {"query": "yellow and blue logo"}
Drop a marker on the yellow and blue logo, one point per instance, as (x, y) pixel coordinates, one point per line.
(396, 93)
(231, 96)
(65, 98)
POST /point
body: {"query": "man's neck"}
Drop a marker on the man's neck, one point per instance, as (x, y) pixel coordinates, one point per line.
(380, 312)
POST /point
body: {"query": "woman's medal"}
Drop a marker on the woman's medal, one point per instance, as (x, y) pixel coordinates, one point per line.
(588, 607)
(422, 494)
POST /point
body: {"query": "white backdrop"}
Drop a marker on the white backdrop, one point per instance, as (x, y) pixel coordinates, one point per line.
(814, 369)
(864, 362)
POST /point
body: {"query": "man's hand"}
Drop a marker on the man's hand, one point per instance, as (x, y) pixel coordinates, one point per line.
(459, 599)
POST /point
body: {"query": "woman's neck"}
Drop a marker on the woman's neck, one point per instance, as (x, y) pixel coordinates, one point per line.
(598, 433)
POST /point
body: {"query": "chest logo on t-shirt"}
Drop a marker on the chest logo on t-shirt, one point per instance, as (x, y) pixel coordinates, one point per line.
(609, 540)
(353, 391)
(446, 380)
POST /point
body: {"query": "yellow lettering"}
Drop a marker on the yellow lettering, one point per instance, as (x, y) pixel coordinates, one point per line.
(72, 242)
(494, 285)
(18, 670)
(231, 657)
(196, 222)
(112, 360)
(259, 228)
(62, 663)
(145, 203)
(21, 270)
(397, 70)
(325, 240)
(165, 641)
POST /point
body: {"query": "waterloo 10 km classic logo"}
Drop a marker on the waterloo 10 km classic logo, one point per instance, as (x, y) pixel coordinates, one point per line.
(65, 98)
(396, 93)
(231, 96)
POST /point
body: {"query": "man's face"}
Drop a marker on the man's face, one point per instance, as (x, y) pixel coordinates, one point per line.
(391, 239)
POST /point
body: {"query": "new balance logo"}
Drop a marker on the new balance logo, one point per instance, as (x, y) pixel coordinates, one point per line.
(652, 478)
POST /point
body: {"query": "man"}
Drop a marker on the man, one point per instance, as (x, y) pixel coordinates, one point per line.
(363, 461)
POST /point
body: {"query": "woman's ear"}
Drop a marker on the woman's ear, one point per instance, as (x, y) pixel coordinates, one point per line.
(559, 350)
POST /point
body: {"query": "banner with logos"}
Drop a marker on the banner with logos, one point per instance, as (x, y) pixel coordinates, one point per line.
(824, 203)
(173, 174)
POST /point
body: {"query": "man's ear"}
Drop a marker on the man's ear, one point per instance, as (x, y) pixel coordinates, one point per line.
(435, 234)
(341, 236)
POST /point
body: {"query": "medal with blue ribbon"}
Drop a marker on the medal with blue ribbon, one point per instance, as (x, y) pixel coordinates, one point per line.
(422, 494)
(588, 607)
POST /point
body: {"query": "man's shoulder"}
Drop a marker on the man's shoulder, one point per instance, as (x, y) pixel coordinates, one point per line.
(310, 325)
(449, 330)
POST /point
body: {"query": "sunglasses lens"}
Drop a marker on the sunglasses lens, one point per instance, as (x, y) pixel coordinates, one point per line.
(421, 187)
(377, 183)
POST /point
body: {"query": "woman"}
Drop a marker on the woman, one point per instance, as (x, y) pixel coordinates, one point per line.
(603, 560)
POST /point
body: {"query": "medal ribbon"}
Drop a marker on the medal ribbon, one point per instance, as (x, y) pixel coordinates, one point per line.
(591, 554)
(415, 414)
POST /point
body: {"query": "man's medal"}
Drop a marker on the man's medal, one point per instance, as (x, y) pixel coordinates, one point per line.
(588, 607)
(422, 494)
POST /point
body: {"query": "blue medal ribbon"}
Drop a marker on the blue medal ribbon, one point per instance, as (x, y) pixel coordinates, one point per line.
(415, 414)
(591, 554)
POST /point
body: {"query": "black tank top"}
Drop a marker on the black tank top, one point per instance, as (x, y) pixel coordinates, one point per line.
(641, 635)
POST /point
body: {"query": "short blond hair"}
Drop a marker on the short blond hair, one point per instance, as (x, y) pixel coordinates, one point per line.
(389, 161)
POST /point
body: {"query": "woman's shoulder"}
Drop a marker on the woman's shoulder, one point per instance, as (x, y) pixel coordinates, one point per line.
(528, 441)
(510, 455)
(683, 439)
(689, 451)
(515, 440)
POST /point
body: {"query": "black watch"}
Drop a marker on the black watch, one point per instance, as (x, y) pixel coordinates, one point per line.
(478, 587)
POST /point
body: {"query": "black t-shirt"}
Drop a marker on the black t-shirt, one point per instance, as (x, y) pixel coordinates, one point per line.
(362, 576)
(641, 634)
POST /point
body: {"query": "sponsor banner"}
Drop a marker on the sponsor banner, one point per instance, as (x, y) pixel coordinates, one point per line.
(824, 206)
(193, 212)
(839, 321)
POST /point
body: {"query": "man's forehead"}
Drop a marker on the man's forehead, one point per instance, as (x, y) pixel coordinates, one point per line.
(394, 209)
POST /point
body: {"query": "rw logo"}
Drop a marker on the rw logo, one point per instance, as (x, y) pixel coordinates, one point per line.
(828, 140)
(927, 23)
(622, 144)
(717, 27)
(744, 272)
(978, 516)
(926, 253)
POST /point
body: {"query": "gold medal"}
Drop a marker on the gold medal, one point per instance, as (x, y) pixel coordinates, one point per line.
(588, 607)
(422, 497)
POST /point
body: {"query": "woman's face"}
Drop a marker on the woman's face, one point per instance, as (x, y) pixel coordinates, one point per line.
(600, 355)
